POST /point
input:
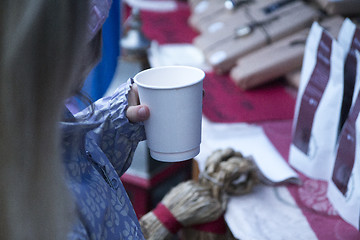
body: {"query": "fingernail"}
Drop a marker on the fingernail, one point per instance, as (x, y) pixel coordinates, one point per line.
(142, 112)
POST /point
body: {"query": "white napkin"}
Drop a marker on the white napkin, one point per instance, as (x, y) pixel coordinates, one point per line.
(250, 140)
(176, 54)
(267, 213)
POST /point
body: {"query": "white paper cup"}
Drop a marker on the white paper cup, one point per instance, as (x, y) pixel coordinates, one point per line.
(174, 97)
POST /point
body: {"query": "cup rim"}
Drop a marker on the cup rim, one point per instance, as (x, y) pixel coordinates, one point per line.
(168, 87)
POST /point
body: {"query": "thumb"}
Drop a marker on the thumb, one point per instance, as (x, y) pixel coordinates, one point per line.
(137, 113)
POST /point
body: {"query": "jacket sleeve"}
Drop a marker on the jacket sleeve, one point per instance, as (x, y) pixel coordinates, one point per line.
(114, 134)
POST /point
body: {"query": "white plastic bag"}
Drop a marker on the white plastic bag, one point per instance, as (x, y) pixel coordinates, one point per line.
(349, 38)
(318, 105)
(344, 185)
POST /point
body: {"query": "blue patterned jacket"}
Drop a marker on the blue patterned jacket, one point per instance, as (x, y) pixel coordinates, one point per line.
(96, 152)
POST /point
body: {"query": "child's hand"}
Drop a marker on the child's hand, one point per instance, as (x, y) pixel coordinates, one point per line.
(135, 111)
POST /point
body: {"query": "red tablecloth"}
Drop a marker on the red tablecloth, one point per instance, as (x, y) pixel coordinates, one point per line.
(271, 106)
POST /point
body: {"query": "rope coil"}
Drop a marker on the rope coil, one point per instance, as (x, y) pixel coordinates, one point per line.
(196, 207)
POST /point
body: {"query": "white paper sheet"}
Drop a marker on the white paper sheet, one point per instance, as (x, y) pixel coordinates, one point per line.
(250, 140)
(155, 6)
(176, 54)
(267, 213)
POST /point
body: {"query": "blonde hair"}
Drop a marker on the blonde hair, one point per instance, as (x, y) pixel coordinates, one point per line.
(41, 43)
